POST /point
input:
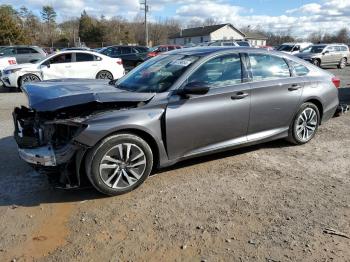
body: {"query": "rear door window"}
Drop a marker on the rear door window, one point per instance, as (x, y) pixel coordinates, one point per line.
(219, 72)
(268, 67)
(23, 50)
(83, 57)
(126, 50)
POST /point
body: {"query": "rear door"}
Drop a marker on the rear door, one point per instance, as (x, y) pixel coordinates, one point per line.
(217, 119)
(276, 94)
(330, 56)
(83, 66)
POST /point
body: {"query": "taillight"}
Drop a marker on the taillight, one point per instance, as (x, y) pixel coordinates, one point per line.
(12, 62)
(120, 62)
(336, 81)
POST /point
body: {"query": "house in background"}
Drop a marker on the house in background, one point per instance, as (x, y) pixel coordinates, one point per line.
(211, 33)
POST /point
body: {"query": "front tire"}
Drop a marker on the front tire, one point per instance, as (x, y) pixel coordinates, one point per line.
(342, 63)
(104, 74)
(305, 124)
(28, 78)
(119, 164)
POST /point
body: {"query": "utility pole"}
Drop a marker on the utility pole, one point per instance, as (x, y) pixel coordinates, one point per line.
(145, 8)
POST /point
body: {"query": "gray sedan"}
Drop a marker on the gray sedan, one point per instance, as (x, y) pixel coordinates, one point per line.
(182, 104)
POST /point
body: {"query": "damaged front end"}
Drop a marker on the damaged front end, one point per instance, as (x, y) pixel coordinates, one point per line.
(59, 111)
(46, 141)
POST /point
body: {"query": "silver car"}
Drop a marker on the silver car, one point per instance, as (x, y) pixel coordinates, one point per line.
(182, 104)
(23, 54)
(326, 55)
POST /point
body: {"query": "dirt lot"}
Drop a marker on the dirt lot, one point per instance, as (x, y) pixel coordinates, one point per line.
(271, 202)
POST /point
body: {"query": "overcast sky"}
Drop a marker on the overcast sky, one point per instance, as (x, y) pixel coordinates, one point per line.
(302, 16)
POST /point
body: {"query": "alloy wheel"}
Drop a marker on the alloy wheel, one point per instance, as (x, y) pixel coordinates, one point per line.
(122, 166)
(105, 75)
(307, 124)
(30, 78)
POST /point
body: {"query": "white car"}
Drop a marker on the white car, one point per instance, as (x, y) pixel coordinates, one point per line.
(5, 62)
(66, 64)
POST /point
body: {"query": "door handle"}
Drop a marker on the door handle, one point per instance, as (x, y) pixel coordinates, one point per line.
(294, 87)
(68, 66)
(239, 95)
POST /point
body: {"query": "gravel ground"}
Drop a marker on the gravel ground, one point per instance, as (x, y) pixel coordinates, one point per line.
(271, 202)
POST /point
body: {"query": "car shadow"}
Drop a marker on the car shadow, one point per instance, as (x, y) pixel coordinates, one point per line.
(225, 154)
(22, 186)
(4, 89)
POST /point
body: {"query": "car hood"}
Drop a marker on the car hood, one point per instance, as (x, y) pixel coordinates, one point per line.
(20, 66)
(58, 94)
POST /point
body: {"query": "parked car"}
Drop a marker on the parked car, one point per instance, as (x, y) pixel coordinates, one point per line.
(66, 64)
(162, 49)
(179, 105)
(327, 55)
(230, 43)
(132, 56)
(293, 48)
(23, 54)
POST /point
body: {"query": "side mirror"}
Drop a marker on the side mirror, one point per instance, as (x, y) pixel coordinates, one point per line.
(1, 54)
(194, 88)
(325, 52)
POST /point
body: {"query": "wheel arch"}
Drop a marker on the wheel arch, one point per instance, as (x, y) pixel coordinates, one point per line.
(27, 73)
(319, 105)
(104, 70)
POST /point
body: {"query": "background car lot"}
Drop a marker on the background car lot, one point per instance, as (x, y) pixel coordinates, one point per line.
(271, 201)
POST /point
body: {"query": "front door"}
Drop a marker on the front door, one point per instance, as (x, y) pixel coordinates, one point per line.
(215, 120)
(57, 67)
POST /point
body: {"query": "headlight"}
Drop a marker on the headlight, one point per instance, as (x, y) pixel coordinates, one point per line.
(11, 71)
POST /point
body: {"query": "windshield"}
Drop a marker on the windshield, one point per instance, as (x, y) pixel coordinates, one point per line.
(314, 49)
(286, 48)
(46, 57)
(156, 75)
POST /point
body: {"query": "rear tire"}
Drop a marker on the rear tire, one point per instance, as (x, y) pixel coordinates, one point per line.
(104, 74)
(304, 125)
(119, 164)
(28, 78)
(343, 62)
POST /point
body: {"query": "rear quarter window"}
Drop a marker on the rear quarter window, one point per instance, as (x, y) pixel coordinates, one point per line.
(299, 69)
